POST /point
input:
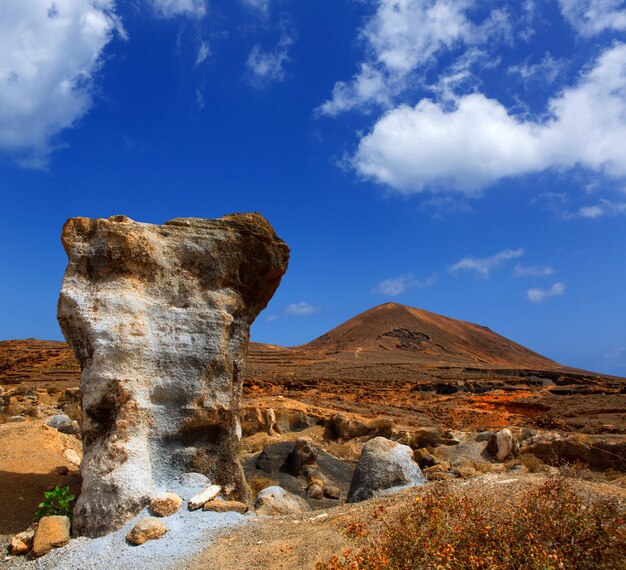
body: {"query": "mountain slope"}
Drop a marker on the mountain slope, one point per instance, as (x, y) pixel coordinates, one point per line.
(414, 334)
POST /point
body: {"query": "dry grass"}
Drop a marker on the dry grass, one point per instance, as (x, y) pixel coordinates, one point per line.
(348, 450)
(549, 527)
(258, 483)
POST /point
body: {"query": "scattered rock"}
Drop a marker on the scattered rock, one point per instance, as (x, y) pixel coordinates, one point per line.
(198, 500)
(342, 427)
(225, 507)
(315, 492)
(62, 470)
(72, 457)
(332, 492)
(16, 419)
(304, 454)
(22, 543)
(147, 528)
(384, 466)
(276, 501)
(424, 458)
(58, 421)
(194, 480)
(52, 532)
(71, 428)
(159, 318)
(503, 445)
(165, 505)
(438, 472)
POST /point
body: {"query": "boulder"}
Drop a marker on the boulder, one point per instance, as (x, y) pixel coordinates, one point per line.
(147, 528)
(503, 445)
(276, 501)
(159, 317)
(165, 505)
(342, 427)
(384, 467)
(52, 532)
(226, 507)
(59, 420)
(197, 501)
(22, 542)
(304, 455)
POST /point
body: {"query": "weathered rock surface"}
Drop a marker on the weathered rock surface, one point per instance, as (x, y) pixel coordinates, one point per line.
(22, 542)
(225, 507)
(503, 445)
(52, 532)
(197, 501)
(384, 466)
(276, 501)
(147, 528)
(304, 454)
(159, 318)
(165, 505)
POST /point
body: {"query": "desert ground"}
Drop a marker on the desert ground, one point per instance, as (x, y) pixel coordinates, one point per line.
(442, 386)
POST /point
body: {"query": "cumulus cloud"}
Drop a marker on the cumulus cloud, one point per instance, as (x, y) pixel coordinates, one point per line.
(532, 271)
(172, 8)
(540, 295)
(591, 17)
(300, 309)
(482, 266)
(267, 67)
(49, 54)
(398, 285)
(403, 36)
(477, 142)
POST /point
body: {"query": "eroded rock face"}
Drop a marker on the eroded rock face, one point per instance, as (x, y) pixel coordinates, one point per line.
(159, 319)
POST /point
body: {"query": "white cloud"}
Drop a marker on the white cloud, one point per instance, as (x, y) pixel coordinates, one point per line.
(267, 67)
(539, 295)
(261, 6)
(602, 208)
(532, 271)
(616, 352)
(591, 17)
(402, 37)
(477, 142)
(204, 51)
(482, 266)
(172, 8)
(49, 54)
(398, 285)
(546, 71)
(300, 309)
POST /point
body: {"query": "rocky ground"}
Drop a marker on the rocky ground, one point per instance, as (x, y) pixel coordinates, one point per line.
(410, 383)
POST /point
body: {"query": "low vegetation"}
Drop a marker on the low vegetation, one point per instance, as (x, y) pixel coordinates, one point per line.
(57, 502)
(553, 526)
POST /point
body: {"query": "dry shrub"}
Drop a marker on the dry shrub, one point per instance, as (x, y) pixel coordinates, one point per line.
(532, 463)
(549, 527)
(258, 483)
(347, 450)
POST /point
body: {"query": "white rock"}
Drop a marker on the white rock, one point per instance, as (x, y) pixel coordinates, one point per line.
(197, 501)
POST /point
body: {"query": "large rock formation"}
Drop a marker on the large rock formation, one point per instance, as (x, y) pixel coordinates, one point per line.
(159, 319)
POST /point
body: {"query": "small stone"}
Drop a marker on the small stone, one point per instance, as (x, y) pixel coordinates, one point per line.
(196, 502)
(165, 505)
(276, 501)
(315, 492)
(225, 507)
(147, 528)
(194, 480)
(62, 470)
(424, 458)
(72, 457)
(59, 420)
(16, 419)
(331, 492)
(21, 543)
(465, 471)
(71, 428)
(52, 532)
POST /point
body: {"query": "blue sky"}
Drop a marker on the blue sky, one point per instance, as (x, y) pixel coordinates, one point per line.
(468, 158)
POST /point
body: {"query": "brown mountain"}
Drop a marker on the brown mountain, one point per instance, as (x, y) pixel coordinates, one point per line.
(397, 332)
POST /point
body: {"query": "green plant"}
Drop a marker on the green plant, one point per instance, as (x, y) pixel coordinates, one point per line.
(57, 502)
